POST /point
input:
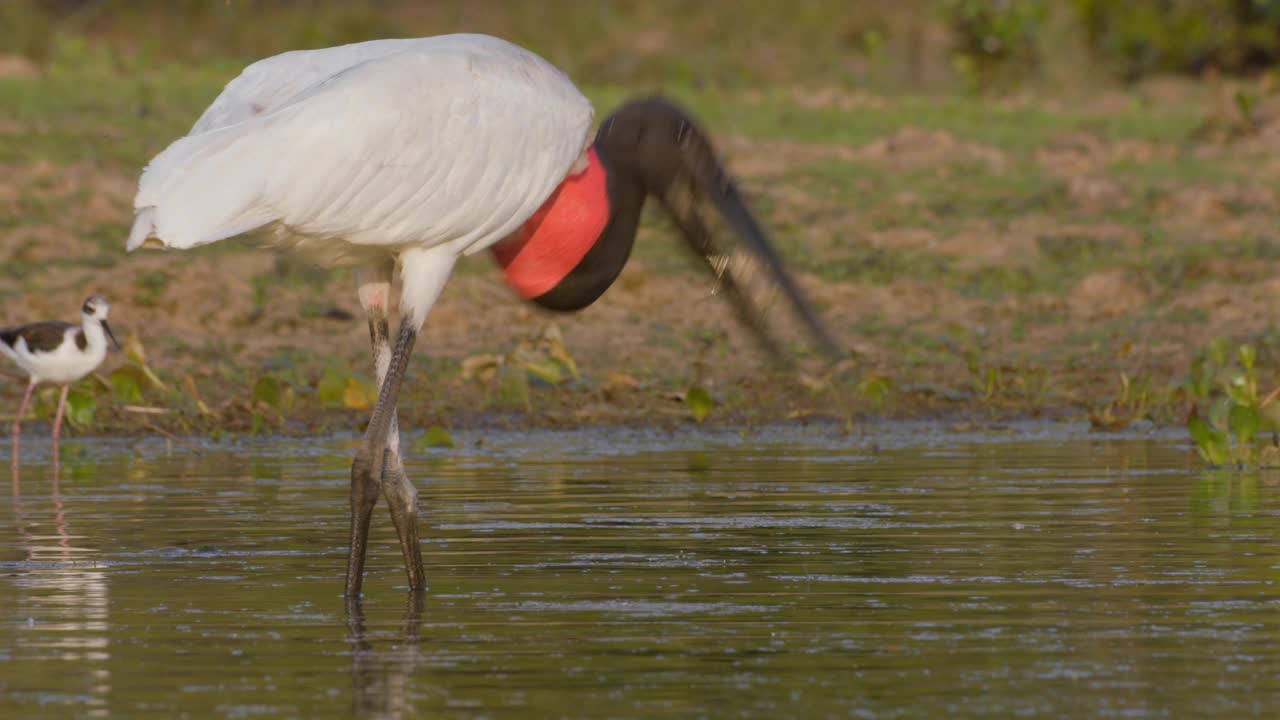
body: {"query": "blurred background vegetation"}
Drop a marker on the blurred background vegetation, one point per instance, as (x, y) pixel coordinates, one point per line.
(913, 44)
(1008, 204)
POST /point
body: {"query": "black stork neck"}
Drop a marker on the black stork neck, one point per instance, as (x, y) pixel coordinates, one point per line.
(602, 264)
(643, 146)
(653, 147)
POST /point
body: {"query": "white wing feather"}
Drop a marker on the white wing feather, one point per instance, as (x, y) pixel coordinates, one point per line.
(268, 84)
(457, 139)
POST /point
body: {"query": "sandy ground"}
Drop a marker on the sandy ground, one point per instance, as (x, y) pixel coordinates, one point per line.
(218, 321)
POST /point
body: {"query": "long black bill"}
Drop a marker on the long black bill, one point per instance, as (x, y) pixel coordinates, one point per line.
(110, 334)
(677, 164)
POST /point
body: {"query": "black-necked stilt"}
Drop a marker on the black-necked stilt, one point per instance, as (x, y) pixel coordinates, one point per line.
(60, 353)
(412, 153)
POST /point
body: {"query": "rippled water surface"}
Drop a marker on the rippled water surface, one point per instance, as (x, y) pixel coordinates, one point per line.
(914, 571)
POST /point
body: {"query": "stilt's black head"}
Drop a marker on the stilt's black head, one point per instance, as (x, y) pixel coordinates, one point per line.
(652, 147)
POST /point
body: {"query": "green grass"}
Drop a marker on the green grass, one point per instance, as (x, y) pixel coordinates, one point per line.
(104, 107)
(83, 113)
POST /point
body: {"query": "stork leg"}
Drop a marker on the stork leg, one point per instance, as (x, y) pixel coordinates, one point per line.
(57, 424)
(366, 469)
(374, 288)
(17, 422)
(423, 275)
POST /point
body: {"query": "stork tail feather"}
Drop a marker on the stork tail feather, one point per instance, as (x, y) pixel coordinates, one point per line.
(143, 228)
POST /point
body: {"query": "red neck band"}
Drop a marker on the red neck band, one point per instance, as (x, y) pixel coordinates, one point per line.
(554, 240)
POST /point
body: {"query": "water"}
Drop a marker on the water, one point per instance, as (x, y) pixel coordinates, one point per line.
(915, 572)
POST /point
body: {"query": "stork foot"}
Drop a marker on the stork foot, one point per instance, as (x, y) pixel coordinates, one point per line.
(366, 485)
(402, 499)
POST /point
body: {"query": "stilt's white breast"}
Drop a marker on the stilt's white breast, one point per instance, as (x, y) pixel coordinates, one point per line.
(67, 362)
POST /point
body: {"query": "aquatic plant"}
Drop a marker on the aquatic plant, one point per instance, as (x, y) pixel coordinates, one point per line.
(189, 383)
(435, 437)
(126, 383)
(272, 392)
(81, 406)
(876, 387)
(339, 387)
(987, 380)
(1233, 413)
(1132, 403)
(699, 402)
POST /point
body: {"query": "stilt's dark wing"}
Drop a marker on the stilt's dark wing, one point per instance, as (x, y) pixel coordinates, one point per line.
(40, 336)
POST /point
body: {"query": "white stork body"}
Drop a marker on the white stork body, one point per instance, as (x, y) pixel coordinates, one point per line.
(391, 152)
(361, 152)
(415, 152)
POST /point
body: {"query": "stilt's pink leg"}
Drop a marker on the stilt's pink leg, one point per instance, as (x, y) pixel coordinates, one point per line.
(57, 424)
(17, 422)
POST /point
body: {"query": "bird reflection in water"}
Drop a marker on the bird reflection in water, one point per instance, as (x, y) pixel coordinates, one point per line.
(381, 678)
(62, 589)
